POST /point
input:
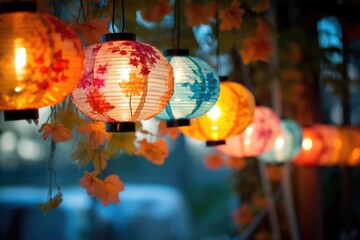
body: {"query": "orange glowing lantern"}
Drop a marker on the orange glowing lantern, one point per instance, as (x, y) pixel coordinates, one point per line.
(232, 113)
(333, 140)
(351, 146)
(257, 138)
(311, 148)
(41, 60)
(124, 81)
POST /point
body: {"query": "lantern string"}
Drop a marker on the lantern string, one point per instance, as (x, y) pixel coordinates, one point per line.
(217, 36)
(176, 26)
(123, 15)
(113, 16)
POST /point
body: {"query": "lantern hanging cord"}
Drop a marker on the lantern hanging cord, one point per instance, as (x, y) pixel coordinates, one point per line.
(176, 27)
(217, 36)
(113, 16)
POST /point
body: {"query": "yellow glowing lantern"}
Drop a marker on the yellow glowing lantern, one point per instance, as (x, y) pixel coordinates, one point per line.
(232, 113)
(311, 148)
(41, 60)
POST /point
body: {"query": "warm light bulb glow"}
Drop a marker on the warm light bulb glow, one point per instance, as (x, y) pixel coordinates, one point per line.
(249, 130)
(355, 153)
(18, 89)
(279, 143)
(307, 144)
(215, 113)
(19, 60)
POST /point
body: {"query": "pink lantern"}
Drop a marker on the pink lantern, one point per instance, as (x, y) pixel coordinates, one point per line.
(257, 138)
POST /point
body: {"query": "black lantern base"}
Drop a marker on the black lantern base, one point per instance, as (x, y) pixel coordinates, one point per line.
(120, 127)
(13, 115)
(176, 52)
(215, 143)
(118, 37)
(178, 123)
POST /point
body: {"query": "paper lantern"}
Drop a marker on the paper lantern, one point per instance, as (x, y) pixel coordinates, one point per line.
(196, 88)
(232, 113)
(332, 145)
(257, 138)
(287, 144)
(351, 147)
(311, 148)
(42, 60)
(124, 81)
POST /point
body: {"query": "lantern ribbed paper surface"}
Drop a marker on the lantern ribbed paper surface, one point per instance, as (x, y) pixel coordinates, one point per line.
(41, 59)
(196, 89)
(311, 148)
(124, 81)
(232, 113)
(287, 144)
(257, 138)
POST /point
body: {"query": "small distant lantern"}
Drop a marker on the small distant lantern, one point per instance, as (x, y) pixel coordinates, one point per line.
(196, 88)
(41, 58)
(124, 81)
(351, 148)
(311, 148)
(286, 145)
(257, 138)
(232, 113)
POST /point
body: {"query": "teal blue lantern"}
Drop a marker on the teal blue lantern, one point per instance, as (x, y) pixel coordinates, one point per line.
(286, 146)
(196, 88)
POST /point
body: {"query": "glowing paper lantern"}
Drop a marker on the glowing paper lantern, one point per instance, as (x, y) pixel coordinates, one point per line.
(333, 141)
(257, 138)
(311, 148)
(196, 88)
(42, 60)
(351, 147)
(124, 81)
(232, 113)
(287, 144)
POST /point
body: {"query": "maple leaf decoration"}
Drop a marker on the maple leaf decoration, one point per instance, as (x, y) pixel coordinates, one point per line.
(214, 161)
(91, 30)
(156, 12)
(107, 190)
(155, 152)
(199, 14)
(173, 133)
(242, 215)
(96, 132)
(259, 47)
(58, 132)
(53, 203)
(97, 102)
(232, 17)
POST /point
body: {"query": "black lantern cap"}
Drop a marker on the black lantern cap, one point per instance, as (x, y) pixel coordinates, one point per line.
(215, 143)
(176, 52)
(120, 127)
(224, 78)
(9, 7)
(118, 36)
(178, 123)
(13, 115)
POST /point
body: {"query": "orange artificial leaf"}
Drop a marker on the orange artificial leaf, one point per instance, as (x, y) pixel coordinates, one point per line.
(123, 141)
(274, 173)
(259, 47)
(173, 133)
(156, 12)
(91, 30)
(53, 203)
(214, 161)
(106, 191)
(155, 152)
(236, 163)
(242, 215)
(231, 17)
(58, 132)
(100, 159)
(199, 14)
(69, 118)
(83, 153)
(96, 132)
(261, 6)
